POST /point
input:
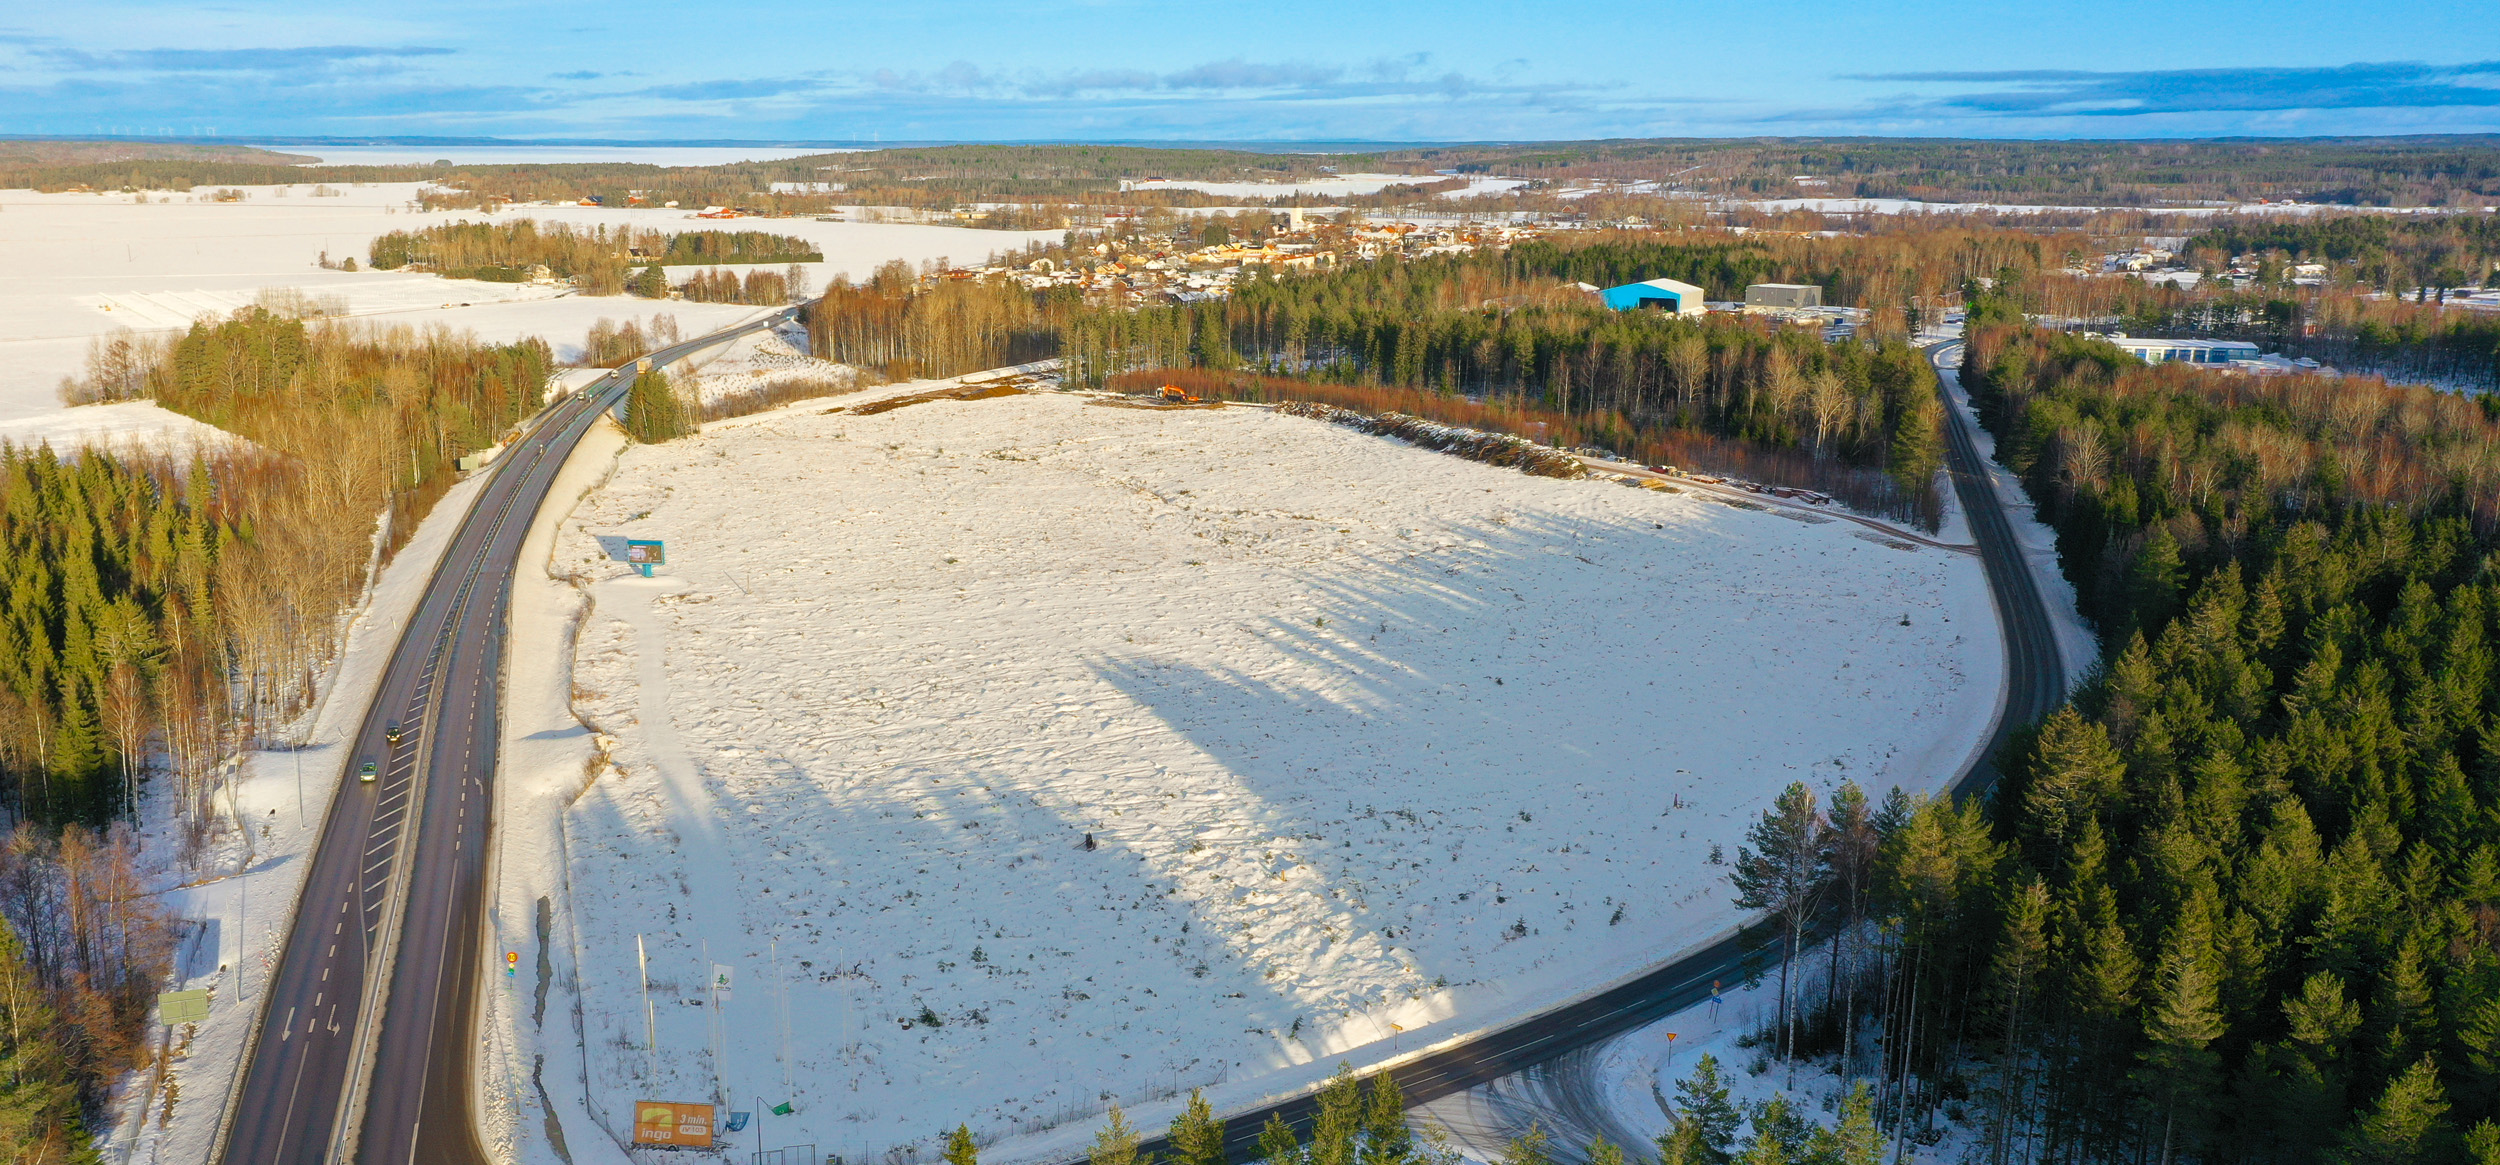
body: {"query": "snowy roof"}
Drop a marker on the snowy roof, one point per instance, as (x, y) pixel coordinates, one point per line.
(1632, 295)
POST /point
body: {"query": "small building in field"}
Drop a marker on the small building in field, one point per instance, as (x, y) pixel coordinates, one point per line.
(1668, 295)
(1791, 295)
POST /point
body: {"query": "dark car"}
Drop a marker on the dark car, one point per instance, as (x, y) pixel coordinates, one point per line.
(392, 733)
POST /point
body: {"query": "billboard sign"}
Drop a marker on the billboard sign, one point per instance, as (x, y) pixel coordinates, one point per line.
(721, 984)
(642, 553)
(672, 1124)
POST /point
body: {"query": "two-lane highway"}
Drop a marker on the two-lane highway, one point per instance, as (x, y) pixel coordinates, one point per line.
(364, 1049)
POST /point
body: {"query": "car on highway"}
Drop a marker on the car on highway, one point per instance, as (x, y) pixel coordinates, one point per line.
(392, 733)
(366, 771)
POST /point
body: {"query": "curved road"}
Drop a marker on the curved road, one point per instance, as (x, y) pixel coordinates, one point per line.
(364, 1045)
(2035, 684)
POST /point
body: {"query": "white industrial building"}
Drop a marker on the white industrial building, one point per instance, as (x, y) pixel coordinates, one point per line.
(2184, 351)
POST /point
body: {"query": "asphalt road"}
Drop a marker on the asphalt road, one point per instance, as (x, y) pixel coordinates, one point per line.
(2035, 686)
(398, 878)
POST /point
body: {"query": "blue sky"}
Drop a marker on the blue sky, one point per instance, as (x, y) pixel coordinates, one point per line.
(1282, 70)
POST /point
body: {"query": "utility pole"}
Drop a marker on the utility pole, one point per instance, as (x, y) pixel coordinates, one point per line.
(781, 1008)
(650, 1026)
(720, 1071)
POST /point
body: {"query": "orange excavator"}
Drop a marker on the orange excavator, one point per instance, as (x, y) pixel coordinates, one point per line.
(1172, 394)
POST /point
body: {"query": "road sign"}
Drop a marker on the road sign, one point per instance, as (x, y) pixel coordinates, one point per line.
(642, 553)
(667, 1122)
(175, 1007)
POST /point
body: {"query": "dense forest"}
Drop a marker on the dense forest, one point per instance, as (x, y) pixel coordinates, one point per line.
(176, 608)
(2407, 171)
(1489, 328)
(2236, 903)
(597, 259)
(759, 287)
(1484, 328)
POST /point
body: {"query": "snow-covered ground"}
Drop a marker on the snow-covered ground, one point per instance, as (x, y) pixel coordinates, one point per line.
(1913, 206)
(122, 425)
(755, 362)
(86, 265)
(1341, 186)
(534, 153)
(1374, 748)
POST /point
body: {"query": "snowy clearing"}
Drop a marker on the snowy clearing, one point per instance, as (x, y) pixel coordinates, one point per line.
(1366, 738)
(85, 265)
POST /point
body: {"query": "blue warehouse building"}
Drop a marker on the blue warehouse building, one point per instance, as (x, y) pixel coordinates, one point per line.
(1668, 295)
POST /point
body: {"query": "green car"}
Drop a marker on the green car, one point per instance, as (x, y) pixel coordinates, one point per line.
(392, 733)
(366, 771)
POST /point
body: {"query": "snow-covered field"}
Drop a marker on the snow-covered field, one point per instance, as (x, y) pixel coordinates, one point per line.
(85, 265)
(1373, 747)
(519, 153)
(1341, 186)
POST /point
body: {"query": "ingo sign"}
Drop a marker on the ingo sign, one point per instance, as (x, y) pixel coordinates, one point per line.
(664, 1122)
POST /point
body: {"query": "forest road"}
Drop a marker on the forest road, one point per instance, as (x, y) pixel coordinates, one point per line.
(1563, 1093)
(366, 1041)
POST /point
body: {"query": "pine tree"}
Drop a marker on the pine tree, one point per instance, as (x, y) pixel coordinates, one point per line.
(1277, 1145)
(1604, 1152)
(959, 1147)
(1339, 1125)
(2405, 1126)
(1116, 1144)
(1386, 1138)
(1784, 870)
(1786, 1131)
(1528, 1148)
(2184, 1020)
(1855, 1140)
(651, 282)
(2074, 772)
(1705, 1120)
(653, 410)
(1197, 1137)
(2156, 580)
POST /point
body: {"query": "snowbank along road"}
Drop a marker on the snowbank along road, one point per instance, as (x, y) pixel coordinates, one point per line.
(364, 1046)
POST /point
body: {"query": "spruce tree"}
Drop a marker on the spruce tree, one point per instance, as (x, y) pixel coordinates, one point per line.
(1277, 1145)
(1705, 1120)
(1783, 870)
(1340, 1123)
(1116, 1144)
(1197, 1138)
(959, 1147)
(653, 410)
(1855, 1140)
(1386, 1138)
(2406, 1125)
(1528, 1148)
